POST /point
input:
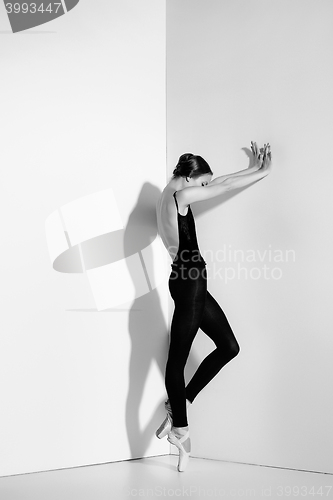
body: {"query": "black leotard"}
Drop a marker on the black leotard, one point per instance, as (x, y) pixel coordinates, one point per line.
(188, 254)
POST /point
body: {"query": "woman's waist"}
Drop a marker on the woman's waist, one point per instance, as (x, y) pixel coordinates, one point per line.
(189, 256)
(188, 264)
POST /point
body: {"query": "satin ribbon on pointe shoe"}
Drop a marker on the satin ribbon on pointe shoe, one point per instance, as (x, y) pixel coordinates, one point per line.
(166, 425)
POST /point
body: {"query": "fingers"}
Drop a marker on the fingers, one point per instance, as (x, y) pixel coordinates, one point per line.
(254, 148)
(267, 155)
(268, 151)
(263, 155)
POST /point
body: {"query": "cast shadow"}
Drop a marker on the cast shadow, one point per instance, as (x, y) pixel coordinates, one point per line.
(147, 329)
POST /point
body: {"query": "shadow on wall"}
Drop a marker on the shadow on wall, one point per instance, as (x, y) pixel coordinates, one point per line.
(123, 265)
(148, 331)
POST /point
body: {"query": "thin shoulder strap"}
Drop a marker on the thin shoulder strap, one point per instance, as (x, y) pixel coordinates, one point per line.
(174, 195)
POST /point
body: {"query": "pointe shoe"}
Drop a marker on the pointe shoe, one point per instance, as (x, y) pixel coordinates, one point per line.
(166, 425)
(183, 454)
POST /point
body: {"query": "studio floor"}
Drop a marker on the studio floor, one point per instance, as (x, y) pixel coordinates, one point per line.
(157, 477)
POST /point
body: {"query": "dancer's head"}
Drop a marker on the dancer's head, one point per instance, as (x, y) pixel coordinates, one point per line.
(194, 168)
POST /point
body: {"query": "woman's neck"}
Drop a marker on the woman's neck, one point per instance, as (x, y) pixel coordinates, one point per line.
(177, 183)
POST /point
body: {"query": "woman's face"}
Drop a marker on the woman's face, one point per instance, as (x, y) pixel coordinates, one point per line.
(202, 180)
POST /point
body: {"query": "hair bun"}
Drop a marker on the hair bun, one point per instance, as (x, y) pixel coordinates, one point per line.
(185, 157)
(190, 165)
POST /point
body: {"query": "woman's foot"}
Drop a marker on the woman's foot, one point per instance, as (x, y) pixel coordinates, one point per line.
(180, 437)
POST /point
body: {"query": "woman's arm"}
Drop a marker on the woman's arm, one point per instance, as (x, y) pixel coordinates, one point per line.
(246, 171)
(222, 178)
(192, 194)
(234, 182)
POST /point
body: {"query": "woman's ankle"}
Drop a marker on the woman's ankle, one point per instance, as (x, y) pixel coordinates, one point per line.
(188, 402)
(180, 430)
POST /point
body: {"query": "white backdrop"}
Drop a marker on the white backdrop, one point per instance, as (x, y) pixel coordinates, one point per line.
(82, 111)
(241, 70)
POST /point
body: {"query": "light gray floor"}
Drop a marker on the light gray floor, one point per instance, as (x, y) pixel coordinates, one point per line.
(157, 477)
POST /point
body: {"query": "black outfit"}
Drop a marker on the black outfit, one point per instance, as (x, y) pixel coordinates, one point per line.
(194, 308)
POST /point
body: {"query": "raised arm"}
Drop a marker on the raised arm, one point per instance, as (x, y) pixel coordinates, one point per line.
(250, 170)
(192, 194)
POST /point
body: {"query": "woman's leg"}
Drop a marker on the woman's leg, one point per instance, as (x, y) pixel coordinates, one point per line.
(189, 294)
(214, 324)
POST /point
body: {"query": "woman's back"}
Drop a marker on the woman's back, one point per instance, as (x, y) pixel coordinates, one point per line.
(167, 224)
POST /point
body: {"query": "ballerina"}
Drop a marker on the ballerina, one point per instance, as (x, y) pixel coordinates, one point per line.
(195, 307)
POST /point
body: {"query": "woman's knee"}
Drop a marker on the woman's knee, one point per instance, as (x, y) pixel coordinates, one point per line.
(231, 349)
(234, 348)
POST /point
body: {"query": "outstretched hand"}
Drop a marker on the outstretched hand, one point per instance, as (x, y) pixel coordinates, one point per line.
(263, 157)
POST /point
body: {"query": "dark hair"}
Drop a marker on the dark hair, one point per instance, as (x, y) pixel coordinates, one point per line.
(190, 165)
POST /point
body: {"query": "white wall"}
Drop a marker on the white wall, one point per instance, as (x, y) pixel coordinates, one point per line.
(241, 70)
(82, 110)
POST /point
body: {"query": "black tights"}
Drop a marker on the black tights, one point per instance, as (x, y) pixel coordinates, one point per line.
(194, 308)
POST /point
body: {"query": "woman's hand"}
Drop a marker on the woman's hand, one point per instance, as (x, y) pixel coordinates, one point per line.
(262, 158)
(265, 158)
(255, 152)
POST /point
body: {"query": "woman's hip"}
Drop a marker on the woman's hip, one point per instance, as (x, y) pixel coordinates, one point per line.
(188, 283)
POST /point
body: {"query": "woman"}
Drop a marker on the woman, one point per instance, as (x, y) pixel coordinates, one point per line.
(194, 306)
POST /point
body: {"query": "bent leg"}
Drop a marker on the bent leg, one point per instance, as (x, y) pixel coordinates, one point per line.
(214, 324)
